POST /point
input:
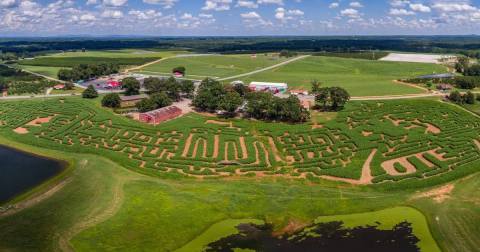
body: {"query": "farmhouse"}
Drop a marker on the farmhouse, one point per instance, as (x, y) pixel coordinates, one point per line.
(444, 87)
(160, 115)
(130, 101)
(269, 86)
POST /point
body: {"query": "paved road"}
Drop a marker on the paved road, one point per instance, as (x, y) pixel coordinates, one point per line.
(265, 69)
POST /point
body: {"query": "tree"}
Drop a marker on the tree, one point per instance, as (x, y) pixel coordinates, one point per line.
(154, 85)
(146, 105)
(339, 97)
(335, 97)
(131, 86)
(69, 86)
(210, 93)
(65, 74)
(467, 82)
(469, 98)
(241, 89)
(472, 70)
(429, 84)
(90, 92)
(111, 100)
(294, 111)
(230, 103)
(161, 100)
(172, 89)
(316, 85)
(187, 87)
(455, 96)
(462, 64)
(179, 69)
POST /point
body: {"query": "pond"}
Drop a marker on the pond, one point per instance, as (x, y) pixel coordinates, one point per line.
(21, 171)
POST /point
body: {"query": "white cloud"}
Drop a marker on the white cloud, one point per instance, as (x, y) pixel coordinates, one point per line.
(401, 12)
(8, 3)
(334, 5)
(250, 15)
(247, 4)
(167, 4)
(356, 5)
(453, 7)
(217, 5)
(115, 14)
(420, 8)
(351, 13)
(115, 3)
(278, 2)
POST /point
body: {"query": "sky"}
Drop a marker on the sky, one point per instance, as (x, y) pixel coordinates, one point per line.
(238, 17)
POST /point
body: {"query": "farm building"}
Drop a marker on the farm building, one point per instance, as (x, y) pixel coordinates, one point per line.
(130, 101)
(437, 76)
(269, 86)
(444, 87)
(59, 86)
(160, 115)
(298, 92)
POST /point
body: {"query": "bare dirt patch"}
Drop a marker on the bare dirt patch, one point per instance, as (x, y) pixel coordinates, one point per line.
(433, 129)
(230, 124)
(415, 58)
(21, 131)
(367, 133)
(187, 145)
(39, 121)
(439, 194)
(389, 167)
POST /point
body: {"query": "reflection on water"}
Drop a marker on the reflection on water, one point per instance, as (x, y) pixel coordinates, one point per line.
(332, 236)
(21, 171)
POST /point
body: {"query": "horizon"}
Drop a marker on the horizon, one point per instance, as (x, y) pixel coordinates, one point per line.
(232, 18)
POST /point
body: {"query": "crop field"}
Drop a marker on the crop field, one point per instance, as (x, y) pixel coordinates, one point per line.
(414, 143)
(359, 77)
(216, 66)
(286, 175)
(127, 53)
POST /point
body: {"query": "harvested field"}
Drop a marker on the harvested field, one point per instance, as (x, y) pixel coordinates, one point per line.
(415, 58)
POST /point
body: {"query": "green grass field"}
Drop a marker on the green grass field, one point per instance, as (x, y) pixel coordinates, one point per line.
(108, 207)
(43, 70)
(126, 53)
(214, 66)
(359, 77)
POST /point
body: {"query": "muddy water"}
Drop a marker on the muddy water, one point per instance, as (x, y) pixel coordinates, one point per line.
(21, 171)
(332, 236)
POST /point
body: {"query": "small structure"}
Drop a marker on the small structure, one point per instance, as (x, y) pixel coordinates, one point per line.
(130, 101)
(59, 86)
(444, 87)
(437, 76)
(298, 92)
(160, 115)
(178, 74)
(269, 87)
(237, 82)
(306, 104)
(112, 84)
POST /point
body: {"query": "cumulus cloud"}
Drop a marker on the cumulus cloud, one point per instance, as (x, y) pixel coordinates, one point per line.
(167, 4)
(115, 3)
(247, 4)
(217, 5)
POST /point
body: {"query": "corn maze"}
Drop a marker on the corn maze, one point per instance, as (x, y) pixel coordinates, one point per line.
(368, 143)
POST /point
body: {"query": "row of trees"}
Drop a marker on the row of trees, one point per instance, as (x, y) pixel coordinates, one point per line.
(467, 98)
(85, 72)
(213, 96)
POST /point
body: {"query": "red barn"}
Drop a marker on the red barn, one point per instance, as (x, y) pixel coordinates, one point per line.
(160, 115)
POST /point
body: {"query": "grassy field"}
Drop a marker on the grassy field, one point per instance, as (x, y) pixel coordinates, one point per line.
(43, 70)
(359, 77)
(214, 66)
(108, 207)
(50, 64)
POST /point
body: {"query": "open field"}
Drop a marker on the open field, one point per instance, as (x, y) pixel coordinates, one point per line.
(359, 77)
(214, 66)
(126, 53)
(43, 70)
(279, 173)
(414, 57)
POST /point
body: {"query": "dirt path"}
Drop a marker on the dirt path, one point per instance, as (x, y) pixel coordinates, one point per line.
(366, 177)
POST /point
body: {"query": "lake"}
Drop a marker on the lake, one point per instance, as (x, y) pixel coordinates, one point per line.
(21, 171)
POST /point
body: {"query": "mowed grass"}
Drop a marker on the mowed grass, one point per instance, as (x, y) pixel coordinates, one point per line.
(455, 221)
(126, 53)
(43, 70)
(214, 66)
(359, 77)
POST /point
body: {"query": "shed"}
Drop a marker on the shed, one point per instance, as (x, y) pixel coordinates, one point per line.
(130, 101)
(160, 115)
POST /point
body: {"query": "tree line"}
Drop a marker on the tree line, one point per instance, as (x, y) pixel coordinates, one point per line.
(87, 71)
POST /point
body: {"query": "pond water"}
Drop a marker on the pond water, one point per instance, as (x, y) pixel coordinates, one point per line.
(21, 171)
(331, 236)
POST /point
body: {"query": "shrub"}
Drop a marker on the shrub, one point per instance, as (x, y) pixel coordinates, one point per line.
(111, 100)
(90, 92)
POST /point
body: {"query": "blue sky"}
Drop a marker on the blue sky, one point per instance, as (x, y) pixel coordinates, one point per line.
(238, 17)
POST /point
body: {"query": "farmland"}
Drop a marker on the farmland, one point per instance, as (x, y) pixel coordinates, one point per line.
(359, 77)
(272, 172)
(215, 66)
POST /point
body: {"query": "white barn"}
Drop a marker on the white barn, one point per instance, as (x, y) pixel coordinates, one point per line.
(268, 86)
